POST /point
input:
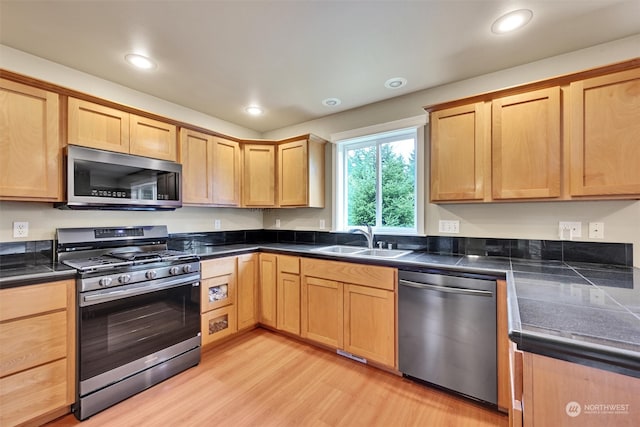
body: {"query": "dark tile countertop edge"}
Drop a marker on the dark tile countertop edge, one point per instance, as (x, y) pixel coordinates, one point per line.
(607, 357)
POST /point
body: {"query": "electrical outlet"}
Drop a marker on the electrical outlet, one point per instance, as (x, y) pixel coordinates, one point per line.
(570, 229)
(20, 229)
(452, 226)
(322, 224)
(277, 223)
(596, 230)
(216, 224)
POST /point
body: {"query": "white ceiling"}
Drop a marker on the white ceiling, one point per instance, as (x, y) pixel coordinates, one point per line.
(217, 57)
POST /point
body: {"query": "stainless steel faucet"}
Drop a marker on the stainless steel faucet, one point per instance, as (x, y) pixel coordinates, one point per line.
(368, 233)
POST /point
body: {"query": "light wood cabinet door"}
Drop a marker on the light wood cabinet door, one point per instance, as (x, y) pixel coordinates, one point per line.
(369, 323)
(458, 143)
(525, 145)
(247, 285)
(268, 290)
(225, 172)
(96, 126)
(258, 184)
(288, 305)
(605, 135)
(153, 138)
(293, 173)
(322, 311)
(217, 324)
(196, 156)
(31, 161)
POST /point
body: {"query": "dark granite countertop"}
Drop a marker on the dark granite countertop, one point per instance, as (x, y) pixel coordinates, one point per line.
(584, 313)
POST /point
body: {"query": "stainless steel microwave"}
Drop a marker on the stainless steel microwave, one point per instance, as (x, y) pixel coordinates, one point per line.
(98, 179)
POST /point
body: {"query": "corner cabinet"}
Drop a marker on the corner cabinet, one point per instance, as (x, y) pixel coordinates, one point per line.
(605, 135)
(268, 293)
(37, 356)
(105, 128)
(248, 280)
(31, 161)
(301, 173)
(351, 307)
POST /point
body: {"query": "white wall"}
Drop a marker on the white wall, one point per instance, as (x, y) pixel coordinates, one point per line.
(505, 220)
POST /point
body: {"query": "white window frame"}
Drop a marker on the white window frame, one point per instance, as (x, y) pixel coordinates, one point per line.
(339, 220)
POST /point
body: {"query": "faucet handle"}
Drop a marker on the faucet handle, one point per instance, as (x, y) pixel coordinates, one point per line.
(380, 244)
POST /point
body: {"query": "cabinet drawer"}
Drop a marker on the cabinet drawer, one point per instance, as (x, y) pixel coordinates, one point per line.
(34, 299)
(359, 274)
(34, 392)
(32, 341)
(217, 267)
(217, 324)
(288, 264)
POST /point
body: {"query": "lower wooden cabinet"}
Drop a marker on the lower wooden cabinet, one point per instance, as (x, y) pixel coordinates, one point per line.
(288, 294)
(37, 355)
(267, 294)
(217, 300)
(247, 285)
(350, 307)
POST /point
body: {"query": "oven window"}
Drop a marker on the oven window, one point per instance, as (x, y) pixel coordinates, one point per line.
(118, 332)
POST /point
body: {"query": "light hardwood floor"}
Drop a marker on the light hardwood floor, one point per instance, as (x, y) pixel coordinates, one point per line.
(265, 379)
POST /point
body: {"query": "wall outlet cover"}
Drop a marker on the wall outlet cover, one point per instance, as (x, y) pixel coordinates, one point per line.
(20, 229)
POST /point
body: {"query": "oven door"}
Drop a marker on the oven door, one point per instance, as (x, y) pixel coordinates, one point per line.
(128, 329)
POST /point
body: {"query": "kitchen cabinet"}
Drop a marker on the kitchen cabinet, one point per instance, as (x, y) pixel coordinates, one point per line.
(288, 294)
(605, 135)
(196, 156)
(217, 299)
(301, 173)
(248, 266)
(458, 138)
(268, 289)
(350, 307)
(560, 393)
(567, 138)
(525, 145)
(502, 342)
(258, 176)
(37, 356)
(105, 128)
(31, 161)
(225, 171)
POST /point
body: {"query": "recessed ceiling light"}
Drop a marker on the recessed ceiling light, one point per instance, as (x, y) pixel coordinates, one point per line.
(140, 61)
(395, 83)
(254, 110)
(512, 21)
(331, 102)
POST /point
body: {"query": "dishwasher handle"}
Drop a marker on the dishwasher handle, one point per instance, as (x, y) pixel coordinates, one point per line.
(447, 289)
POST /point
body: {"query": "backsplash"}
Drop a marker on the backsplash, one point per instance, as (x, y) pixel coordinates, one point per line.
(17, 254)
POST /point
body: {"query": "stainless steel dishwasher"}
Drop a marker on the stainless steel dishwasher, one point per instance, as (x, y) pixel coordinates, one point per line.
(447, 332)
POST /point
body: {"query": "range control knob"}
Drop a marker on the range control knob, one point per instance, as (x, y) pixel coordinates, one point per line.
(125, 278)
(151, 274)
(105, 281)
(186, 268)
(174, 270)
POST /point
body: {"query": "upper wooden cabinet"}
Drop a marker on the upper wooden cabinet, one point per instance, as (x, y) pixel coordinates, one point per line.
(605, 135)
(226, 172)
(525, 145)
(457, 153)
(31, 161)
(196, 156)
(571, 137)
(259, 178)
(301, 173)
(97, 126)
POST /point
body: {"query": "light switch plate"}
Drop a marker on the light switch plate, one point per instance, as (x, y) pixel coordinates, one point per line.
(449, 226)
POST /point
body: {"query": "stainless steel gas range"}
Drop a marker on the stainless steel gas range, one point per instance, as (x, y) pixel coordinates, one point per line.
(138, 311)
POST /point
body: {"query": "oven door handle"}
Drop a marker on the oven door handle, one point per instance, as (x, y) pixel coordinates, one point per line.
(137, 289)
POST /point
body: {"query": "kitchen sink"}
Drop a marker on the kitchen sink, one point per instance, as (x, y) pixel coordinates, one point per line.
(362, 252)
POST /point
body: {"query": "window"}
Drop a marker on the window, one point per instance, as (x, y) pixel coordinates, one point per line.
(377, 182)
